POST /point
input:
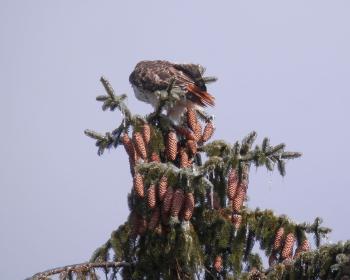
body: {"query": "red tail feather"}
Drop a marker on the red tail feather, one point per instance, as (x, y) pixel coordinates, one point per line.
(202, 97)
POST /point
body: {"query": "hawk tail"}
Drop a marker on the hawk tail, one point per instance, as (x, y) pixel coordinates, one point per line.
(199, 96)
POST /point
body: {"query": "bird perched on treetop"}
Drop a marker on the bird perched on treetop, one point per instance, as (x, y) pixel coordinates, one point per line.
(151, 77)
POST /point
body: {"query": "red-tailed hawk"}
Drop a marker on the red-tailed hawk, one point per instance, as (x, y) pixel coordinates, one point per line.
(150, 77)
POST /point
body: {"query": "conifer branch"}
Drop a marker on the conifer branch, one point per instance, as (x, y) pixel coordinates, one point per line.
(86, 267)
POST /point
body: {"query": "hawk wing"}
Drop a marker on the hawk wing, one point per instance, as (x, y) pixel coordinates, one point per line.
(157, 75)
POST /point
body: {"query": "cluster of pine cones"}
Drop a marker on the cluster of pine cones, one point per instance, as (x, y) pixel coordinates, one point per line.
(283, 247)
(165, 202)
(236, 192)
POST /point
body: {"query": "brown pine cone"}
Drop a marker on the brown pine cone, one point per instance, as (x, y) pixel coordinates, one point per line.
(140, 146)
(236, 220)
(128, 146)
(304, 247)
(142, 226)
(191, 118)
(218, 263)
(162, 187)
(168, 200)
(138, 185)
(155, 157)
(232, 184)
(238, 200)
(287, 251)
(185, 132)
(189, 206)
(184, 162)
(278, 239)
(191, 146)
(146, 133)
(171, 148)
(151, 196)
(208, 131)
(198, 131)
(178, 200)
(154, 219)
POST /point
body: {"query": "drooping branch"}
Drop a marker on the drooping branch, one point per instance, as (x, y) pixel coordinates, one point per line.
(77, 268)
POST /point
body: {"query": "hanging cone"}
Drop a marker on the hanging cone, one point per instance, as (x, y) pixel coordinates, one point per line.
(232, 184)
(272, 259)
(236, 220)
(167, 200)
(162, 187)
(184, 163)
(171, 145)
(140, 145)
(304, 247)
(218, 263)
(216, 201)
(191, 146)
(238, 200)
(155, 157)
(178, 200)
(191, 118)
(151, 196)
(287, 251)
(142, 226)
(189, 206)
(128, 146)
(198, 131)
(154, 219)
(138, 185)
(185, 132)
(146, 133)
(208, 131)
(278, 239)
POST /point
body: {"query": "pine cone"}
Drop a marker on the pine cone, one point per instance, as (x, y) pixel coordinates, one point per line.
(178, 200)
(151, 196)
(304, 247)
(140, 145)
(146, 133)
(155, 157)
(168, 200)
(171, 145)
(138, 185)
(191, 146)
(128, 146)
(232, 184)
(287, 251)
(278, 239)
(142, 226)
(191, 118)
(198, 131)
(238, 200)
(218, 263)
(186, 133)
(162, 187)
(189, 206)
(154, 219)
(236, 220)
(184, 162)
(208, 131)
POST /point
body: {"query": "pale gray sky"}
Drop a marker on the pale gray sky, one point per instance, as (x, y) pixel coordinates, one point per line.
(283, 69)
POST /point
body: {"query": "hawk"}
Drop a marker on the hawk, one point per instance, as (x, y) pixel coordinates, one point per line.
(150, 77)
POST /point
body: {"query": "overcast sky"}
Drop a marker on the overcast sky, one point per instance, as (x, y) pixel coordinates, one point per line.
(283, 69)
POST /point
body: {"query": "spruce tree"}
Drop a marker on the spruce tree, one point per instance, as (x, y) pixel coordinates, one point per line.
(188, 217)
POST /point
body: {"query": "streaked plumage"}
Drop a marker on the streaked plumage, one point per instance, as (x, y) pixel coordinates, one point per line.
(151, 76)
